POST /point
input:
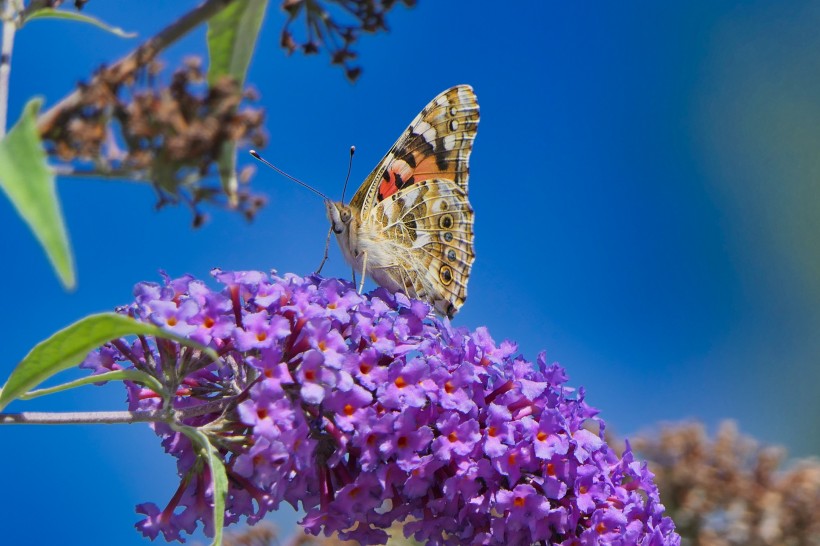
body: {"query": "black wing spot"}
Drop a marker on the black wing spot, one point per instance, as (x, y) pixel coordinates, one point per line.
(445, 274)
(446, 221)
(441, 157)
(404, 183)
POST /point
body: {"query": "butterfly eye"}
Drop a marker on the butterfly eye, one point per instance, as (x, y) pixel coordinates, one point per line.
(345, 216)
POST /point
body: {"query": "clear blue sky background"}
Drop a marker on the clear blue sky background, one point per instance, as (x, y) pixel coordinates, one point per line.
(645, 181)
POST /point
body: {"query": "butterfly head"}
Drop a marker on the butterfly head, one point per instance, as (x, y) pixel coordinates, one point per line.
(339, 215)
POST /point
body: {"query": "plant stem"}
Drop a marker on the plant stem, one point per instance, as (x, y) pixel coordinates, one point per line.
(9, 28)
(123, 175)
(110, 417)
(142, 54)
(34, 6)
(80, 417)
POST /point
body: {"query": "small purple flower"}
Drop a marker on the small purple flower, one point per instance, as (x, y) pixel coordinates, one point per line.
(365, 410)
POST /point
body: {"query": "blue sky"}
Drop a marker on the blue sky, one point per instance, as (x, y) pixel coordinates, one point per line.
(645, 180)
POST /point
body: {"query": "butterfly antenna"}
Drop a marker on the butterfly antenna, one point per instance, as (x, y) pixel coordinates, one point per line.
(349, 166)
(255, 154)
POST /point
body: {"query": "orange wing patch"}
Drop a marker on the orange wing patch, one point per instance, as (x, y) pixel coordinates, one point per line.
(398, 175)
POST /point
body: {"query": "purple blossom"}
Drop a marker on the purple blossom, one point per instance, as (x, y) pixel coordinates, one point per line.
(365, 410)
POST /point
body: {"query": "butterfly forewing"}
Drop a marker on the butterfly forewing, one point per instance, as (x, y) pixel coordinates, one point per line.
(436, 144)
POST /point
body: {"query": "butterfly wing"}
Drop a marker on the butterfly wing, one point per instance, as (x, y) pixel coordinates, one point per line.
(428, 228)
(415, 203)
(437, 144)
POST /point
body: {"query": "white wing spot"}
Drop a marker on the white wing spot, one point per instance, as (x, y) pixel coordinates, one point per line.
(454, 125)
(430, 136)
(422, 127)
(449, 142)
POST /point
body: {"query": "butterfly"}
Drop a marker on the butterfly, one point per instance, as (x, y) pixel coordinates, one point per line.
(409, 226)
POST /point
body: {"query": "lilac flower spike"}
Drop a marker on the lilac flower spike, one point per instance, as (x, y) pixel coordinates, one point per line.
(367, 410)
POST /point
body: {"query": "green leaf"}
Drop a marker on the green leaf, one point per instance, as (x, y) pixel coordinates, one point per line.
(232, 38)
(29, 185)
(218, 475)
(49, 13)
(117, 375)
(69, 347)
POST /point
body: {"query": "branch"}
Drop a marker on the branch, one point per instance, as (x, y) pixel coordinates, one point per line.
(120, 174)
(146, 51)
(80, 417)
(33, 7)
(110, 417)
(9, 28)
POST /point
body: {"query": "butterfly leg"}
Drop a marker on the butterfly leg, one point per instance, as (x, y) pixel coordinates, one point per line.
(364, 269)
(324, 258)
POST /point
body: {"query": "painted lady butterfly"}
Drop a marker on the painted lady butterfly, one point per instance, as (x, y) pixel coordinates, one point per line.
(409, 225)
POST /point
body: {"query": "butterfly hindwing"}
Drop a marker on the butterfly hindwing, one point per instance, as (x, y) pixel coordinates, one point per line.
(430, 226)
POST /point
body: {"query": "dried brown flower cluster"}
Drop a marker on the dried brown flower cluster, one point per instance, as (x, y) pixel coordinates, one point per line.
(78, 4)
(263, 533)
(323, 30)
(730, 491)
(171, 136)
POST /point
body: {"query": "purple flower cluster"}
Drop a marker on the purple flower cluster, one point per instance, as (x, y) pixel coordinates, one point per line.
(368, 410)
